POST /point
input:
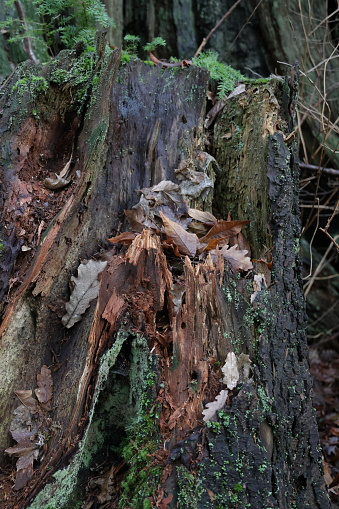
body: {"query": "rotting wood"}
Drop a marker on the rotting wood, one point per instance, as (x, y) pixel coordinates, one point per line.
(268, 415)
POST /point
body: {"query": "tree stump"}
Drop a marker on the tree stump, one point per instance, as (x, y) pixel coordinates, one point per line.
(167, 334)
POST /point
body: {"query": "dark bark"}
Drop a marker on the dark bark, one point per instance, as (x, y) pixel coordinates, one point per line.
(134, 357)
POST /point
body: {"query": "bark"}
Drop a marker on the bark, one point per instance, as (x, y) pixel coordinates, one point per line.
(132, 377)
(259, 38)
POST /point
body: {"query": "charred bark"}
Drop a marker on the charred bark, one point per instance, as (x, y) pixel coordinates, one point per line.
(132, 377)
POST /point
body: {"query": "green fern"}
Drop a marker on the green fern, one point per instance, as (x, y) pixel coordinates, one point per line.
(59, 24)
(151, 46)
(225, 75)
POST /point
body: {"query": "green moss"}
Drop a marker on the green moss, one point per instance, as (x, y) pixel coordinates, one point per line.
(256, 81)
(142, 434)
(190, 489)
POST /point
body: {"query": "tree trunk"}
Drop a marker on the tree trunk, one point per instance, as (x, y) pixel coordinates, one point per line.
(131, 379)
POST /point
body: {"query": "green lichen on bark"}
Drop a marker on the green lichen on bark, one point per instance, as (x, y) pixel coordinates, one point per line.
(122, 425)
(240, 147)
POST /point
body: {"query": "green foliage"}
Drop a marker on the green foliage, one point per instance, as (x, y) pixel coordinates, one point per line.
(77, 77)
(190, 489)
(60, 24)
(131, 43)
(131, 47)
(225, 75)
(151, 46)
(33, 85)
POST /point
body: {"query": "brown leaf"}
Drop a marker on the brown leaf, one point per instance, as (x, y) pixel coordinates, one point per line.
(135, 217)
(123, 238)
(186, 242)
(44, 392)
(237, 258)
(200, 229)
(26, 452)
(86, 289)
(202, 216)
(212, 244)
(210, 494)
(27, 400)
(165, 501)
(224, 229)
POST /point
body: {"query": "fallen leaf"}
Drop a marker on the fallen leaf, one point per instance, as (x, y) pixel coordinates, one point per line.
(210, 494)
(224, 229)
(200, 229)
(165, 501)
(166, 186)
(186, 242)
(230, 371)
(213, 406)
(27, 400)
(258, 284)
(202, 215)
(123, 238)
(24, 467)
(211, 244)
(44, 392)
(105, 484)
(60, 181)
(237, 258)
(57, 183)
(23, 430)
(86, 289)
(136, 218)
(238, 90)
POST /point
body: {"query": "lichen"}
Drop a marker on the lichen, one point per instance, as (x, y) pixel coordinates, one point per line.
(63, 491)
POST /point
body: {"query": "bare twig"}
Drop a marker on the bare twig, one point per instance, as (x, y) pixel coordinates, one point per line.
(27, 43)
(330, 171)
(225, 16)
(320, 265)
(335, 212)
(330, 237)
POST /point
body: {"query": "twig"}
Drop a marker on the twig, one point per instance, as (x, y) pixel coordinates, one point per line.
(319, 267)
(27, 43)
(330, 237)
(330, 171)
(311, 253)
(206, 39)
(335, 211)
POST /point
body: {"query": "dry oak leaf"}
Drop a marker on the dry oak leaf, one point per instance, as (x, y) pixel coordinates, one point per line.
(202, 215)
(44, 392)
(123, 238)
(186, 242)
(237, 258)
(60, 180)
(23, 430)
(27, 400)
(230, 371)
(223, 229)
(86, 289)
(213, 406)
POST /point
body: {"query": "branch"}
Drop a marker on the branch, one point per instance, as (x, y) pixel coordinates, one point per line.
(206, 39)
(27, 43)
(330, 171)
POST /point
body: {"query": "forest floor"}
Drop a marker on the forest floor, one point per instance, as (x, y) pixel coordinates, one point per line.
(325, 371)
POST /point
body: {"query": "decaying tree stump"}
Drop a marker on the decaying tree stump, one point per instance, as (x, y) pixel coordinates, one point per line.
(167, 334)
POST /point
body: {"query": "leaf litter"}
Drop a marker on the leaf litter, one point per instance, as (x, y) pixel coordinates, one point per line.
(30, 425)
(164, 211)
